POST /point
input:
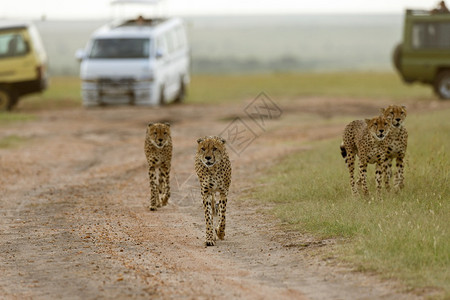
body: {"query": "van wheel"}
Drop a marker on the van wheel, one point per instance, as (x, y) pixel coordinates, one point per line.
(162, 99)
(442, 85)
(6, 100)
(181, 93)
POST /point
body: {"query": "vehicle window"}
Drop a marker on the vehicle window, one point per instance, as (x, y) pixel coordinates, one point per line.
(120, 48)
(12, 44)
(170, 42)
(431, 35)
(176, 42)
(162, 46)
(181, 36)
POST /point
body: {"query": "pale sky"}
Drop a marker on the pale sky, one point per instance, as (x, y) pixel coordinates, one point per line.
(101, 9)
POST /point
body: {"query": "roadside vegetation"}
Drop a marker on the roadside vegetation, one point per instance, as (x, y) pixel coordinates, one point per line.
(404, 236)
(64, 92)
(12, 141)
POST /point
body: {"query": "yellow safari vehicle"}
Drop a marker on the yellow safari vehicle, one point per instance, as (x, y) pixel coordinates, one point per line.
(23, 62)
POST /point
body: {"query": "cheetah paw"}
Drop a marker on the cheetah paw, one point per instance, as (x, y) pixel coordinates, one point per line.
(210, 243)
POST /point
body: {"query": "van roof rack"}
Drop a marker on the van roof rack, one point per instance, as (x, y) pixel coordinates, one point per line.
(151, 2)
(140, 21)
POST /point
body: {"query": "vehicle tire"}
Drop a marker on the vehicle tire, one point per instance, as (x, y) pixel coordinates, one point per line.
(442, 85)
(162, 99)
(6, 100)
(181, 93)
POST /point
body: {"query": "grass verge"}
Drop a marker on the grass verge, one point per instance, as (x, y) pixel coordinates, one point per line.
(8, 117)
(12, 141)
(64, 92)
(405, 236)
(233, 88)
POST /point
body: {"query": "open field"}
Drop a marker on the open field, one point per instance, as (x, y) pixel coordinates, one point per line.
(216, 89)
(74, 217)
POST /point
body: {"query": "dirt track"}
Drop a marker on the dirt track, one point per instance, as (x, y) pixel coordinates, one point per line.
(75, 224)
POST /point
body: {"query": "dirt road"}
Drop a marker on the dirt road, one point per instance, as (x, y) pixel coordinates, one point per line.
(75, 223)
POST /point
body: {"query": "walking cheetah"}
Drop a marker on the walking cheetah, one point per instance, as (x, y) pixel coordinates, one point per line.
(396, 143)
(365, 139)
(213, 169)
(158, 150)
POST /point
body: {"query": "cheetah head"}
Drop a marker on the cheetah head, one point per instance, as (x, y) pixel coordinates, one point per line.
(210, 150)
(378, 127)
(395, 114)
(158, 133)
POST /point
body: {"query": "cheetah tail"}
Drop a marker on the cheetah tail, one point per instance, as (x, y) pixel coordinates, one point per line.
(343, 151)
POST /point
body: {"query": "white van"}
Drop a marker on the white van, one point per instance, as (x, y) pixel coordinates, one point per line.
(137, 62)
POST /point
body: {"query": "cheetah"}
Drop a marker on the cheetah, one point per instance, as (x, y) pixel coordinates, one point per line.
(213, 168)
(158, 150)
(396, 143)
(365, 139)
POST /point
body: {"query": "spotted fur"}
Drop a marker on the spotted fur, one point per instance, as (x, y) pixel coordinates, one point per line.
(365, 139)
(158, 150)
(213, 168)
(396, 143)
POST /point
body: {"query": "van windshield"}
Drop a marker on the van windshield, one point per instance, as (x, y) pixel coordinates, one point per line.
(111, 48)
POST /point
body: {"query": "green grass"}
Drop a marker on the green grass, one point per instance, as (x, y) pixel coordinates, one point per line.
(12, 141)
(11, 117)
(235, 88)
(406, 235)
(64, 92)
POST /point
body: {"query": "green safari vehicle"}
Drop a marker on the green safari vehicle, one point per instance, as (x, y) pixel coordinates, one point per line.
(424, 54)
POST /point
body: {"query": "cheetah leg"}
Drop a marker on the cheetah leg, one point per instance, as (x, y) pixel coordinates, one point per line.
(388, 174)
(213, 204)
(363, 177)
(165, 180)
(208, 219)
(220, 230)
(350, 161)
(154, 192)
(379, 170)
(399, 175)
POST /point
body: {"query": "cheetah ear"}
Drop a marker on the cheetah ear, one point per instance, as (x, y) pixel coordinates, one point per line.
(367, 121)
(167, 124)
(223, 140)
(404, 107)
(200, 140)
(382, 110)
(150, 124)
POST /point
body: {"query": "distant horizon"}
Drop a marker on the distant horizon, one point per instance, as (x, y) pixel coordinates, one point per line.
(103, 10)
(45, 18)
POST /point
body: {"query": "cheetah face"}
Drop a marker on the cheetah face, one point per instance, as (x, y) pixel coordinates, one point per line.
(210, 150)
(159, 133)
(395, 114)
(378, 127)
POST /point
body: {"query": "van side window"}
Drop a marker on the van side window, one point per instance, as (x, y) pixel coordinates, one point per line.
(12, 44)
(181, 36)
(170, 42)
(175, 40)
(431, 35)
(161, 45)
